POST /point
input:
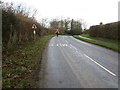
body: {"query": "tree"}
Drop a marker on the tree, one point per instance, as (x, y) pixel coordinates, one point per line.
(75, 27)
(67, 26)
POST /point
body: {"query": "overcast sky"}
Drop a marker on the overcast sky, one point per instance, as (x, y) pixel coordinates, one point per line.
(91, 11)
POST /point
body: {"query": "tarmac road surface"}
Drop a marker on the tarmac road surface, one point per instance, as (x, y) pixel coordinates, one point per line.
(72, 63)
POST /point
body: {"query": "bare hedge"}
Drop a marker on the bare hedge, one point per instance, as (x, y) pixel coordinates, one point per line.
(109, 31)
(17, 26)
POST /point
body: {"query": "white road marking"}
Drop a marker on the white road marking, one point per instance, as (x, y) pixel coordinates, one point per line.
(100, 65)
(82, 42)
(61, 45)
(73, 47)
(50, 44)
(64, 44)
(66, 41)
(57, 44)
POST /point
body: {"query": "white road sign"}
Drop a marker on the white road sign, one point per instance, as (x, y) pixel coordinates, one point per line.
(34, 26)
(34, 32)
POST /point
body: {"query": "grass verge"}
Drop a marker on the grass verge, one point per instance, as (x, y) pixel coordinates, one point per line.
(113, 47)
(21, 65)
(102, 39)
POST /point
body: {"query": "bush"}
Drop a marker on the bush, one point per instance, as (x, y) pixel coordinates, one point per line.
(109, 31)
(17, 25)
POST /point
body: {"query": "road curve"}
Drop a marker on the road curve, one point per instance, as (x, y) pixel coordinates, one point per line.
(71, 63)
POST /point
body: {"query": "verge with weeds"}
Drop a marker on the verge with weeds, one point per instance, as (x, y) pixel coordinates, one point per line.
(102, 39)
(20, 65)
(113, 47)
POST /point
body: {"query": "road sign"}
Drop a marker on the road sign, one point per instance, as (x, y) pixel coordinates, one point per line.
(34, 26)
(34, 32)
(57, 29)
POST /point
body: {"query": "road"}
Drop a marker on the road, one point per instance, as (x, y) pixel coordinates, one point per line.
(71, 63)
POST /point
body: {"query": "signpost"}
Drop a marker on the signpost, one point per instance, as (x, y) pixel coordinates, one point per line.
(57, 29)
(34, 32)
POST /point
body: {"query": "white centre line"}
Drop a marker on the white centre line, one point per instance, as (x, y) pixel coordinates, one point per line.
(100, 65)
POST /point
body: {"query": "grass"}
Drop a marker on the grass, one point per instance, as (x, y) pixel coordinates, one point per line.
(102, 39)
(113, 47)
(21, 64)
